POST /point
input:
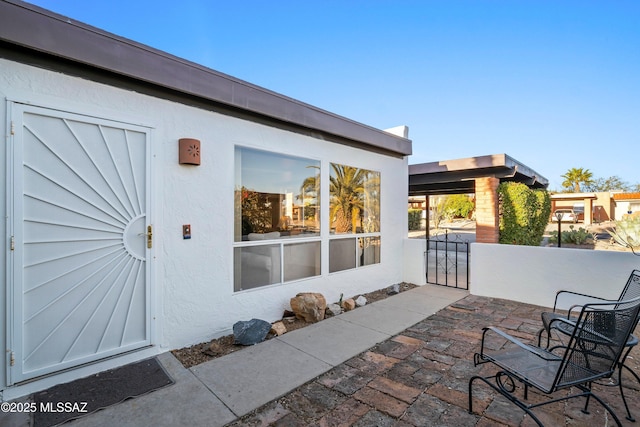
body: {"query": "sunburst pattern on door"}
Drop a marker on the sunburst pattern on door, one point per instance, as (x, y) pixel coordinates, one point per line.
(84, 209)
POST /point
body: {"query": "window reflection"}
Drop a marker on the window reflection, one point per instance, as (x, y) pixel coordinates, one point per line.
(275, 195)
(354, 204)
(354, 208)
(369, 251)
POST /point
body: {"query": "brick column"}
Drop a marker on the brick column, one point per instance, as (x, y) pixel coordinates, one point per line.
(487, 219)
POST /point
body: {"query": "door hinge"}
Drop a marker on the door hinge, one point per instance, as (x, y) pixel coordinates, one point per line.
(12, 243)
(13, 128)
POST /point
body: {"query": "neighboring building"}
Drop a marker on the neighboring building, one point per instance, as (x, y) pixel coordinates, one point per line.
(626, 203)
(597, 207)
(589, 207)
(120, 246)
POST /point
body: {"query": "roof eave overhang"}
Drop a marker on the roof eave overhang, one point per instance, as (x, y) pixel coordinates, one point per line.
(458, 175)
(574, 196)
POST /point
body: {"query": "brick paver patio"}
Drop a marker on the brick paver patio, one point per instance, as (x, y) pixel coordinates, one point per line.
(420, 378)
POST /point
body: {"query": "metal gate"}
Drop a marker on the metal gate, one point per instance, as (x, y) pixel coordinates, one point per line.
(447, 260)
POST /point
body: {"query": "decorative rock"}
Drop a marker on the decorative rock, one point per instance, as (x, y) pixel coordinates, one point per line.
(348, 304)
(333, 309)
(361, 301)
(309, 306)
(251, 332)
(215, 349)
(395, 289)
(278, 329)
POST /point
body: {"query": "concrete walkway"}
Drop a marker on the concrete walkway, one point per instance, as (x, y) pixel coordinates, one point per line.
(217, 392)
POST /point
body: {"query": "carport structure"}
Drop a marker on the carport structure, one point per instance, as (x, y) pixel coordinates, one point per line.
(480, 175)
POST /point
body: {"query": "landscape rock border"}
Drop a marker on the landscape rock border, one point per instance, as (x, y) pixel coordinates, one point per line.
(203, 352)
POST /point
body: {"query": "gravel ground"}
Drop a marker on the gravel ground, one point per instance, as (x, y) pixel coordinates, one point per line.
(203, 352)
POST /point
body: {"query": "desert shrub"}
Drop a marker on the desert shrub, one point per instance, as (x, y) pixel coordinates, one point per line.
(524, 214)
(572, 235)
(627, 231)
(438, 212)
(415, 218)
(458, 205)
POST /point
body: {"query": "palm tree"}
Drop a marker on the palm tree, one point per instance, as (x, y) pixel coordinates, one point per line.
(574, 177)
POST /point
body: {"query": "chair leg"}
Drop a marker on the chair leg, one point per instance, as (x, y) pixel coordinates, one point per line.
(504, 393)
(585, 410)
(586, 392)
(602, 402)
(624, 399)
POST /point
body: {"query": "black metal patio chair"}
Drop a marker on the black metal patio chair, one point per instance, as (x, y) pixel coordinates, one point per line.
(595, 345)
(563, 329)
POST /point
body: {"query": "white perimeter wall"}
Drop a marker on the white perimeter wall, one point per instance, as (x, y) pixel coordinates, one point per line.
(193, 278)
(533, 275)
(414, 270)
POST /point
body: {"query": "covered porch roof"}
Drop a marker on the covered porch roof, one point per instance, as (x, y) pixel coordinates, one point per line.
(458, 176)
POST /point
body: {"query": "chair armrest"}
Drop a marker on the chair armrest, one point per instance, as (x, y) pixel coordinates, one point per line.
(602, 339)
(566, 321)
(532, 349)
(555, 303)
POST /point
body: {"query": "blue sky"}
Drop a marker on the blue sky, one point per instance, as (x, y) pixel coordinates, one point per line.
(554, 84)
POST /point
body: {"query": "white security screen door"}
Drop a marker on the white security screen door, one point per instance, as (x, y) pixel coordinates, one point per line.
(81, 239)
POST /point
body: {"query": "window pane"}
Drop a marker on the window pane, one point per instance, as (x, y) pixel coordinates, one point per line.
(301, 260)
(256, 266)
(369, 251)
(354, 205)
(275, 193)
(342, 254)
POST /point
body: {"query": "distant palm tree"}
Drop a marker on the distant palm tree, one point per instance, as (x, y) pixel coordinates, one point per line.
(576, 176)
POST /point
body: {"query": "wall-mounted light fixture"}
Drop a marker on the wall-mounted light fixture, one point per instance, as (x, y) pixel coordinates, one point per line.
(189, 151)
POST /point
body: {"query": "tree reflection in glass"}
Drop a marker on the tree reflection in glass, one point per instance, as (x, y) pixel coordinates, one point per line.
(354, 202)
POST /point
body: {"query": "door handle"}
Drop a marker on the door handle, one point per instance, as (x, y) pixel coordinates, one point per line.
(149, 235)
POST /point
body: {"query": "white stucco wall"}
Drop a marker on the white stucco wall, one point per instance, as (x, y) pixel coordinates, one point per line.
(193, 283)
(534, 274)
(623, 207)
(414, 270)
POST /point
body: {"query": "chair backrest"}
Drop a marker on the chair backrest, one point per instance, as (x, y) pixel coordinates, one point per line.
(632, 288)
(597, 342)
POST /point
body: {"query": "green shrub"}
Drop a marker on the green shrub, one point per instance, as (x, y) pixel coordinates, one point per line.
(524, 214)
(572, 235)
(543, 211)
(415, 218)
(458, 205)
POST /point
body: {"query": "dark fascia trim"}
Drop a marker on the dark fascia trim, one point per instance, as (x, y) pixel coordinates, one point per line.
(499, 165)
(41, 60)
(39, 30)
